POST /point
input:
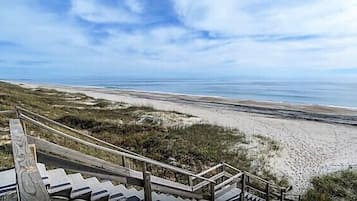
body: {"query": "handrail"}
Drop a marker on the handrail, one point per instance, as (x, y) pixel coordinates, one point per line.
(265, 181)
(228, 181)
(293, 195)
(252, 175)
(205, 183)
(236, 169)
(145, 160)
(23, 114)
(7, 111)
(76, 131)
(209, 170)
(256, 189)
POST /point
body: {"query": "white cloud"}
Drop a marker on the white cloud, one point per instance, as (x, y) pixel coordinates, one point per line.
(269, 17)
(96, 11)
(64, 42)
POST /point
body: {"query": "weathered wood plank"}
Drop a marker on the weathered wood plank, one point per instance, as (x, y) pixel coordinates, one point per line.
(267, 196)
(91, 161)
(23, 110)
(212, 191)
(205, 183)
(134, 157)
(120, 153)
(225, 190)
(147, 186)
(242, 194)
(29, 180)
(209, 170)
(233, 179)
(77, 156)
(173, 191)
(7, 112)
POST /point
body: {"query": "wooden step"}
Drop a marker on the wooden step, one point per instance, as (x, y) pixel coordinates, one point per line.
(133, 194)
(116, 193)
(232, 194)
(133, 198)
(99, 193)
(252, 197)
(79, 188)
(43, 173)
(59, 183)
(7, 181)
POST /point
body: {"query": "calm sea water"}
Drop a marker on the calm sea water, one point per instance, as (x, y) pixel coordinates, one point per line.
(337, 93)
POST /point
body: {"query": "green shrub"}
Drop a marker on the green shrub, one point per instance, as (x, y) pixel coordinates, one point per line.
(333, 187)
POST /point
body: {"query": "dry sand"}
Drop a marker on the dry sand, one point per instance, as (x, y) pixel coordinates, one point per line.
(315, 139)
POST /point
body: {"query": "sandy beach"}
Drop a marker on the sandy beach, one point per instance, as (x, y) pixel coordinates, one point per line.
(315, 139)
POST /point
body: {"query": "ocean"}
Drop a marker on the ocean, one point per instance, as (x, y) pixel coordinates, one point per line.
(332, 93)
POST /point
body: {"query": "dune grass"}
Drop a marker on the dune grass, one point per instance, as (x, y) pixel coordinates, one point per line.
(338, 186)
(194, 147)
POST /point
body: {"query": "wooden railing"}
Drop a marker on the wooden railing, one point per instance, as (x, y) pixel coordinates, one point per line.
(30, 185)
(207, 184)
(182, 189)
(228, 177)
(7, 112)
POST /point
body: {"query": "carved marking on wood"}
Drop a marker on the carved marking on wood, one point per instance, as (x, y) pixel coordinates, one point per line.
(30, 184)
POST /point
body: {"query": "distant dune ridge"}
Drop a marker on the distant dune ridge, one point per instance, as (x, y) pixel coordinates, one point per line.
(315, 139)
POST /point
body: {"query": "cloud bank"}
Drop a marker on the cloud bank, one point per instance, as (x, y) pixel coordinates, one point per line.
(179, 36)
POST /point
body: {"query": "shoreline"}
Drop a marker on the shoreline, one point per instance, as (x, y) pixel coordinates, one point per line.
(309, 147)
(238, 100)
(311, 112)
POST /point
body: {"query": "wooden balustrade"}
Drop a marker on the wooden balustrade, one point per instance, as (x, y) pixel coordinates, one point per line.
(221, 172)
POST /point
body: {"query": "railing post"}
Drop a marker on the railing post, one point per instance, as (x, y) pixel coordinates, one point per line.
(30, 185)
(147, 186)
(223, 170)
(190, 181)
(145, 167)
(242, 194)
(282, 194)
(212, 192)
(17, 112)
(123, 159)
(24, 127)
(267, 196)
(248, 182)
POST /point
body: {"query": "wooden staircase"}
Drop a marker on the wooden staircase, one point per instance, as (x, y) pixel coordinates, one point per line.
(221, 182)
(74, 186)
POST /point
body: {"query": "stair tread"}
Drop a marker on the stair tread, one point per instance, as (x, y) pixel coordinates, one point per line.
(43, 173)
(77, 187)
(59, 182)
(133, 192)
(115, 192)
(98, 191)
(133, 198)
(234, 192)
(80, 189)
(7, 181)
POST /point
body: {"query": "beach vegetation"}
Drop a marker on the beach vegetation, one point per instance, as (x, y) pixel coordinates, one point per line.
(338, 186)
(195, 147)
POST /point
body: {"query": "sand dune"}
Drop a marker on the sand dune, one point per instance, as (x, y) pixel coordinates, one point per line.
(315, 139)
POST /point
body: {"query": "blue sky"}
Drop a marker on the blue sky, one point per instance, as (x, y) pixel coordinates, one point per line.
(163, 37)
